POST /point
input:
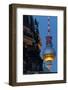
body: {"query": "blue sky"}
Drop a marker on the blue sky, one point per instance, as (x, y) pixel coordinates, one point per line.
(43, 27)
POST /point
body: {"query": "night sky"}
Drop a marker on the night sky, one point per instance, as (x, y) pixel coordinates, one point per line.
(43, 28)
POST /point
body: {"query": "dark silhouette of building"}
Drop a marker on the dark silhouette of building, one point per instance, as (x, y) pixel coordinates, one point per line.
(32, 62)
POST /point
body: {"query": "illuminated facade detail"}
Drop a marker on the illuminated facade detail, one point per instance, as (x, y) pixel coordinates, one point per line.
(49, 54)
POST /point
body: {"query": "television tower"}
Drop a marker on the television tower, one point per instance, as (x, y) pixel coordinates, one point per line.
(48, 53)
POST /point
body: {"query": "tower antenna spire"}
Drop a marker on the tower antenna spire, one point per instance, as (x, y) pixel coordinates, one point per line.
(48, 25)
